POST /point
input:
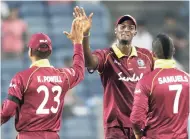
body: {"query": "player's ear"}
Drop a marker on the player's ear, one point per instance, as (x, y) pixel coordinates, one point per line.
(135, 34)
(30, 52)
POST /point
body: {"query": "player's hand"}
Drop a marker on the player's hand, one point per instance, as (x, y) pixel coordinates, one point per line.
(76, 33)
(80, 13)
(138, 136)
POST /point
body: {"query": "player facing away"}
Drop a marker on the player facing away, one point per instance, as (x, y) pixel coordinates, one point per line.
(162, 97)
(36, 95)
(120, 67)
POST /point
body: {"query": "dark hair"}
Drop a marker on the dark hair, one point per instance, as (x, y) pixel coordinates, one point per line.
(41, 54)
(163, 46)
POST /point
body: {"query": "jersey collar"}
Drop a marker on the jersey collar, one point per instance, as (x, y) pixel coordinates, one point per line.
(164, 63)
(119, 54)
(41, 63)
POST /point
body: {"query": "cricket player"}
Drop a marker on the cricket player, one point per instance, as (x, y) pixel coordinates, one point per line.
(120, 67)
(36, 95)
(162, 97)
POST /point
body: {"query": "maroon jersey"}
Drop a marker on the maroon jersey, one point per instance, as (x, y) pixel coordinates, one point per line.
(39, 94)
(119, 75)
(163, 98)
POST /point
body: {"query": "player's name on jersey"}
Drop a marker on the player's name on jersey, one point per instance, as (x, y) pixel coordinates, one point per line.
(55, 79)
(170, 79)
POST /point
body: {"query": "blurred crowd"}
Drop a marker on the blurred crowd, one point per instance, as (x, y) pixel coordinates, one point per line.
(15, 32)
(175, 30)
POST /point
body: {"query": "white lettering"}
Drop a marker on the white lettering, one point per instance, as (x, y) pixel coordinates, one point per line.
(56, 79)
(137, 91)
(12, 85)
(71, 71)
(134, 78)
(172, 79)
(43, 41)
(38, 78)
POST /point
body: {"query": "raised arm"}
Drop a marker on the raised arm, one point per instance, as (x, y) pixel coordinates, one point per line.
(91, 61)
(76, 73)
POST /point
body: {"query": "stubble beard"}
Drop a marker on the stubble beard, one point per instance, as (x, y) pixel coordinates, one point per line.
(124, 42)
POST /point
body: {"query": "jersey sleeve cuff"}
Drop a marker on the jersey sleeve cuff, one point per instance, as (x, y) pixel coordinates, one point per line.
(14, 99)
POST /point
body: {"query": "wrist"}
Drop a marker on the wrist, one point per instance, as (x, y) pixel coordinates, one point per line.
(86, 33)
(77, 42)
(77, 45)
(138, 136)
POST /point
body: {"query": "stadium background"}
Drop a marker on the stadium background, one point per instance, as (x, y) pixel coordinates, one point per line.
(82, 118)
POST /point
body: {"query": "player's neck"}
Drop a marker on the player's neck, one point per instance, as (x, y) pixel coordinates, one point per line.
(125, 49)
(33, 60)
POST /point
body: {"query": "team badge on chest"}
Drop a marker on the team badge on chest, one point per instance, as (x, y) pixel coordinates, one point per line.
(140, 63)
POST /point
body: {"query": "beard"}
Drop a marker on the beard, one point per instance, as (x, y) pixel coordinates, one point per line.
(124, 42)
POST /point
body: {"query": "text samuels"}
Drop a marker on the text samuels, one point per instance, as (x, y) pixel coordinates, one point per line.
(56, 79)
(133, 78)
(170, 79)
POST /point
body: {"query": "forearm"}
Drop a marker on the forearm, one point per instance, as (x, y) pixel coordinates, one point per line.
(78, 61)
(90, 59)
(139, 113)
(8, 110)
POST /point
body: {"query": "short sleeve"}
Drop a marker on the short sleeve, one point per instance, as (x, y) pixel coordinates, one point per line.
(141, 95)
(16, 88)
(141, 88)
(140, 105)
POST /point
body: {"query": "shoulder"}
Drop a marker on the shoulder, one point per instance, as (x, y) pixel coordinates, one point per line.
(145, 54)
(103, 52)
(25, 74)
(18, 78)
(183, 72)
(143, 50)
(148, 78)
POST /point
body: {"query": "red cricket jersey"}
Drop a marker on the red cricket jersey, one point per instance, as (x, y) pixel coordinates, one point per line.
(40, 92)
(163, 98)
(119, 75)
